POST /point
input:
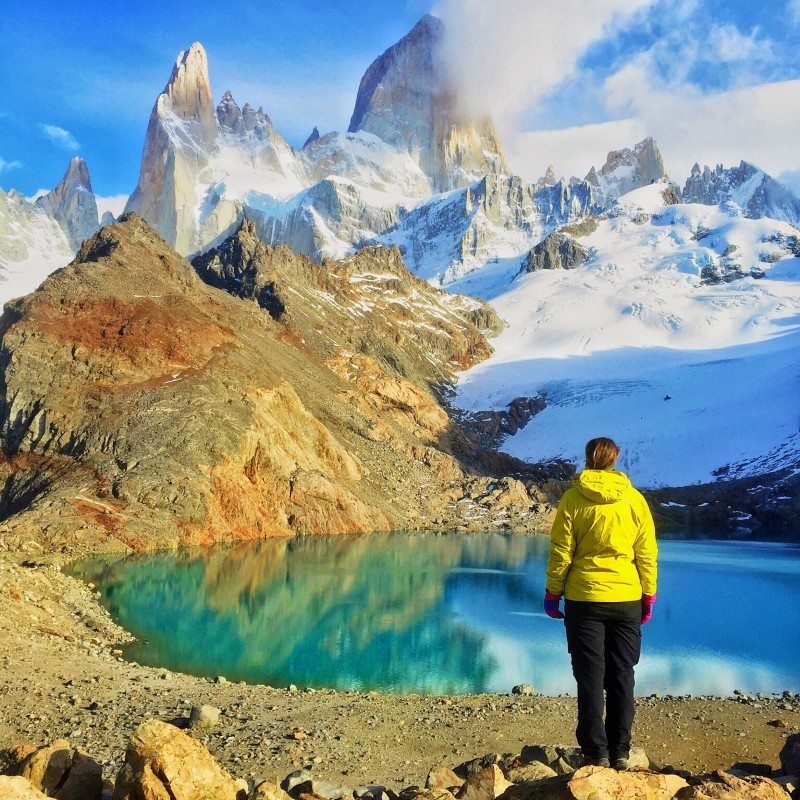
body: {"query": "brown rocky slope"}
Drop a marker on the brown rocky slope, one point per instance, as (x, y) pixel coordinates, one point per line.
(141, 407)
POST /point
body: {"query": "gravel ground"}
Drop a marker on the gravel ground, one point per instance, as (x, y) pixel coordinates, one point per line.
(63, 676)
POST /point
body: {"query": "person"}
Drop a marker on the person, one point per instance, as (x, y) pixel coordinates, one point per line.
(603, 560)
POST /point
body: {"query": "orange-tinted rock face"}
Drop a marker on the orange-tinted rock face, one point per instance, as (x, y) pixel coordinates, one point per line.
(143, 408)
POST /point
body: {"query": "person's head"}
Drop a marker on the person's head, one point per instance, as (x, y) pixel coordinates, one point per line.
(601, 453)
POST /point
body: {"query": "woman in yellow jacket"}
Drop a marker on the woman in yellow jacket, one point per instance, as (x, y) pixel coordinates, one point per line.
(603, 556)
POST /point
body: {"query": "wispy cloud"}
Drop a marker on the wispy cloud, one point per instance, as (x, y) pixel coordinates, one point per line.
(5, 165)
(113, 203)
(793, 7)
(60, 137)
(710, 127)
(508, 54)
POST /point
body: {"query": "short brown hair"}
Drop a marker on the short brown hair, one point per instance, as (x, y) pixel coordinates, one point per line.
(601, 453)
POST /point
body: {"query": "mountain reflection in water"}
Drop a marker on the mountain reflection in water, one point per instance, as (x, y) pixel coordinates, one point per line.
(434, 613)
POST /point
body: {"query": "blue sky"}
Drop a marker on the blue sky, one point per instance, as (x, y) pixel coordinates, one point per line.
(81, 77)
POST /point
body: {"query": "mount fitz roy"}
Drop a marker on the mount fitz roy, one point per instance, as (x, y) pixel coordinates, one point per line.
(618, 289)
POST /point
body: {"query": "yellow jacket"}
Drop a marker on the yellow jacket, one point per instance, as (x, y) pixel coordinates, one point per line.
(603, 543)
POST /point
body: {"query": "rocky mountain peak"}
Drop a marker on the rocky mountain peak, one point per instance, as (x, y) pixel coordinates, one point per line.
(549, 178)
(405, 99)
(228, 112)
(77, 175)
(312, 137)
(72, 203)
(187, 94)
(628, 169)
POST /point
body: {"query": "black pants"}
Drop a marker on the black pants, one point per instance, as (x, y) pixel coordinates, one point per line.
(604, 641)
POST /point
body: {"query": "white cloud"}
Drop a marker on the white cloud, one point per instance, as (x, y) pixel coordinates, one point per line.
(571, 151)
(759, 123)
(60, 137)
(726, 43)
(508, 54)
(113, 203)
(4, 165)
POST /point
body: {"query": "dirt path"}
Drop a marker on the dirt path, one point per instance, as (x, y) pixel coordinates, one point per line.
(60, 677)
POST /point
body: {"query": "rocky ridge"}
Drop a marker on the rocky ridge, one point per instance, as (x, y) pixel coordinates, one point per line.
(108, 390)
(758, 194)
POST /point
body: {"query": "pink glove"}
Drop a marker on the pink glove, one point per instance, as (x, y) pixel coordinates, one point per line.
(647, 607)
(551, 602)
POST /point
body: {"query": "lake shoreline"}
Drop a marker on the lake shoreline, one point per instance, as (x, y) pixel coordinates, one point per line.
(63, 676)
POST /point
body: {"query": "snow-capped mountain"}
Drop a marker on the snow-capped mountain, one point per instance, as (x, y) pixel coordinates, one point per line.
(758, 194)
(72, 204)
(492, 222)
(41, 234)
(693, 374)
(32, 245)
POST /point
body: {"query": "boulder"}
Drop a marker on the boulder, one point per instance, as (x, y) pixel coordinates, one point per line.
(318, 788)
(19, 788)
(45, 767)
(63, 772)
(295, 779)
(475, 765)
(442, 778)
(487, 784)
(12, 758)
(602, 783)
(561, 759)
(523, 688)
(724, 786)
(415, 793)
(203, 717)
(164, 763)
(790, 755)
(268, 791)
(530, 773)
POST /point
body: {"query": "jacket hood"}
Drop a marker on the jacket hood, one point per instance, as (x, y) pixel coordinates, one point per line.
(602, 485)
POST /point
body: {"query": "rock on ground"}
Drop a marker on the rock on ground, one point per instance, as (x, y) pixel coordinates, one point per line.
(164, 763)
(18, 788)
(724, 786)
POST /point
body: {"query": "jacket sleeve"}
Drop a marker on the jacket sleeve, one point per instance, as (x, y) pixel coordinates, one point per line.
(645, 549)
(562, 548)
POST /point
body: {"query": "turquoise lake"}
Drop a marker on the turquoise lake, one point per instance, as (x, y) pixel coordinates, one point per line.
(445, 613)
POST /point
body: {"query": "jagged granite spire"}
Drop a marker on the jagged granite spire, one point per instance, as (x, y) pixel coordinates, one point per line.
(181, 132)
(72, 203)
(313, 136)
(405, 100)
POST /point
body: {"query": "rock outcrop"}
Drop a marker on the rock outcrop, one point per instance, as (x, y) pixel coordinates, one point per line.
(404, 98)
(72, 204)
(556, 251)
(758, 194)
(145, 408)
